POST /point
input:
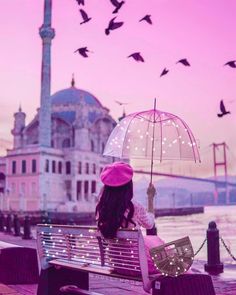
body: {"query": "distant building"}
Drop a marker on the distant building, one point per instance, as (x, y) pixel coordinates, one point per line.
(47, 177)
(44, 177)
(56, 159)
(2, 176)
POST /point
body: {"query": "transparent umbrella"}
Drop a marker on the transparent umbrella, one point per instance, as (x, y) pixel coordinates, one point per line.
(153, 135)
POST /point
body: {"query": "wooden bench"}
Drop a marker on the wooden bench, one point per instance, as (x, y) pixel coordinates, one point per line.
(69, 253)
(18, 265)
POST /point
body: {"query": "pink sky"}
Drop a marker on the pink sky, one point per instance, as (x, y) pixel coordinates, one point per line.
(202, 31)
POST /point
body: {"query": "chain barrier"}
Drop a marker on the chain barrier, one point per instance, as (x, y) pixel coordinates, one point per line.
(224, 244)
(227, 249)
(200, 248)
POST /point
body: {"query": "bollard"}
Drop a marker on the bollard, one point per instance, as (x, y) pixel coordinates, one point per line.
(27, 229)
(213, 265)
(71, 221)
(16, 223)
(2, 219)
(44, 218)
(9, 224)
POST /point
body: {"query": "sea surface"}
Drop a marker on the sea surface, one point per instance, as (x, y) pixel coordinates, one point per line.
(174, 227)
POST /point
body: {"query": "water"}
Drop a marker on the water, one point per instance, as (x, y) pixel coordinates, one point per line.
(175, 227)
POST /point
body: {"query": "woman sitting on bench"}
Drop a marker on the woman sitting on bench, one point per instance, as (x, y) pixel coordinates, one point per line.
(116, 208)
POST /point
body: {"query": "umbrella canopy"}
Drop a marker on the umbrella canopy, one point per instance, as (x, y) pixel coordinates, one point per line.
(154, 135)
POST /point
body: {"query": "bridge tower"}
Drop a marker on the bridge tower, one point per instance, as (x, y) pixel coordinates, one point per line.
(220, 161)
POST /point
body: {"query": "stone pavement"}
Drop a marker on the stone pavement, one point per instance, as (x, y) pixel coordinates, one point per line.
(225, 284)
(7, 290)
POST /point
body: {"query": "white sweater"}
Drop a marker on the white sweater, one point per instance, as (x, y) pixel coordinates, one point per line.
(141, 217)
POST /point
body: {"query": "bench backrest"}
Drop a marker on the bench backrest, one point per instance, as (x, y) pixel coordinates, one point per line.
(85, 245)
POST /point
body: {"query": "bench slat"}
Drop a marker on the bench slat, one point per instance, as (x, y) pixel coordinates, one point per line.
(104, 270)
(122, 257)
(130, 266)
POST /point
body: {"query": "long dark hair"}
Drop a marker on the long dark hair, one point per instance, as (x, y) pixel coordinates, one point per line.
(113, 203)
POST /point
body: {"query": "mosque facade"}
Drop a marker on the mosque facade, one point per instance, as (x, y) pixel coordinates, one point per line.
(64, 176)
(56, 159)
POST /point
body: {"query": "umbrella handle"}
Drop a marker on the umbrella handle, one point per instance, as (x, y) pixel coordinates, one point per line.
(151, 192)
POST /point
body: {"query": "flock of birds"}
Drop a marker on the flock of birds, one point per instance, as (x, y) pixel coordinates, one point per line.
(113, 25)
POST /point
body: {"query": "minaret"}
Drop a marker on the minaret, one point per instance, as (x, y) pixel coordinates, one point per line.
(47, 33)
(19, 125)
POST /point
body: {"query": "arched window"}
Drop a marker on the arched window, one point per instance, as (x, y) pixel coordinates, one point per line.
(80, 167)
(53, 166)
(68, 189)
(13, 167)
(34, 166)
(87, 168)
(103, 147)
(66, 143)
(47, 166)
(94, 169)
(60, 167)
(79, 190)
(92, 145)
(86, 190)
(2, 182)
(23, 166)
(93, 187)
(68, 167)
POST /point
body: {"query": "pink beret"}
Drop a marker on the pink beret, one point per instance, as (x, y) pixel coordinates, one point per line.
(116, 174)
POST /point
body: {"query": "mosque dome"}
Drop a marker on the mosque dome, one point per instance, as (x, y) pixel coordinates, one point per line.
(75, 96)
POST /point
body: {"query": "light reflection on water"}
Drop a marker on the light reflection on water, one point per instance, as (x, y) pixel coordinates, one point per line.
(195, 226)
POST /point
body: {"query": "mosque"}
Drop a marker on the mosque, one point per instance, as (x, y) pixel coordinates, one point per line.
(56, 159)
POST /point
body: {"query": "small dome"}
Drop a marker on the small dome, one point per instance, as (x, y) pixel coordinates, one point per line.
(74, 95)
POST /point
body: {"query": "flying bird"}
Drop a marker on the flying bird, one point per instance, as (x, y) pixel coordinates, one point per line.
(82, 51)
(137, 56)
(231, 63)
(84, 17)
(147, 18)
(112, 26)
(80, 2)
(164, 72)
(117, 5)
(223, 110)
(121, 103)
(184, 62)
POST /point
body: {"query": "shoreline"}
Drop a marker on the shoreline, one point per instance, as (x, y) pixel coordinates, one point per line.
(83, 218)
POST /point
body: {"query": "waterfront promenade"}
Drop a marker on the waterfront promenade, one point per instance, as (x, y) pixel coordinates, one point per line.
(225, 284)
